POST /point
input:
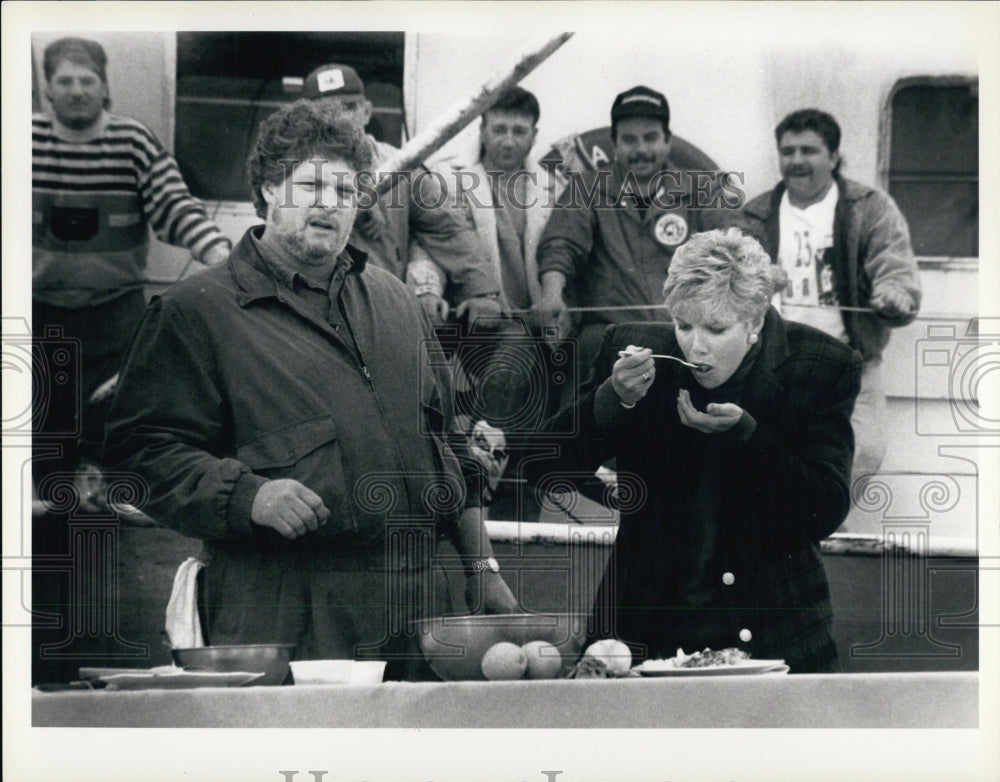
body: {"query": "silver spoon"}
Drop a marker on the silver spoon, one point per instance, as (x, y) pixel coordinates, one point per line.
(698, 367)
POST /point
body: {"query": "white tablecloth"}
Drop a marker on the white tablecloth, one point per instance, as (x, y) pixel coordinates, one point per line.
(884, 700)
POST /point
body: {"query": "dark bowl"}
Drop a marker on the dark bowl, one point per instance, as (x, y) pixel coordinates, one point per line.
(454, 645)
(269, 659)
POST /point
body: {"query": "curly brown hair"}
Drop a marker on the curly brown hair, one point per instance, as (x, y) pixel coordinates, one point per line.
(304, 130)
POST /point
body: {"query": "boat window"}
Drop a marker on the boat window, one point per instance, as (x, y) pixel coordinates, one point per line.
(228, 82)
(933, 163)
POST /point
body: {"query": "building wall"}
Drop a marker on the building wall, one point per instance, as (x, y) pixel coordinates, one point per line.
(727, 88)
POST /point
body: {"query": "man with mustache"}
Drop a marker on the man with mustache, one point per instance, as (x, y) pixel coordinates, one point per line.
(839, 243)
(288, 409)
(613, 232)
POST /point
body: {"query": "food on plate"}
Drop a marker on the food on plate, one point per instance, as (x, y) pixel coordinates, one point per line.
(707, 658)
(544, 660)
(613, 653)
(504, 660)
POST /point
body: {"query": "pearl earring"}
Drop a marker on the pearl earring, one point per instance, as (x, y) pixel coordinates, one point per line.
(753, 339)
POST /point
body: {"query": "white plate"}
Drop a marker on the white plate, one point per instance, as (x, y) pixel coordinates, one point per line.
(179, 680)
(666, 668)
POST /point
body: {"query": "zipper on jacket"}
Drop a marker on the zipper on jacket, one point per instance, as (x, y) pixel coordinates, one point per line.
(354, 349)
(371, 385)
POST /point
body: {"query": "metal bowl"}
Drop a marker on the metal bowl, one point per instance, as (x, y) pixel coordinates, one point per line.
(269, 659)
(454, 645)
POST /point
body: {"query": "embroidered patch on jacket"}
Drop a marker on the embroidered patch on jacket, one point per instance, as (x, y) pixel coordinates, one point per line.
(670, 230)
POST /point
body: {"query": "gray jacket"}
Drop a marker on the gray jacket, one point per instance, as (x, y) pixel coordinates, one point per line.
(871, 252)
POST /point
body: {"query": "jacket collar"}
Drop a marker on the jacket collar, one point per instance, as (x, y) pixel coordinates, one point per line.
(773, 341)
(848, 191)
(762, 385)
(252, 275)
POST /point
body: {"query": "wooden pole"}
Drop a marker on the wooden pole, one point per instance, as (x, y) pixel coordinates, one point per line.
(461, 113)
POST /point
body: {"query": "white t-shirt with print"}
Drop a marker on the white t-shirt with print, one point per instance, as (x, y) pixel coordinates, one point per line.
(805, 236)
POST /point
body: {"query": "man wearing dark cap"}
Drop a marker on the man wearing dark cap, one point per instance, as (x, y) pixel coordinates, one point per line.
(415, 210)
(613, 232)
(100, 182)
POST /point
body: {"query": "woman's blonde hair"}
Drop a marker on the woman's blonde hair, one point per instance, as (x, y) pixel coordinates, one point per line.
(721, 272)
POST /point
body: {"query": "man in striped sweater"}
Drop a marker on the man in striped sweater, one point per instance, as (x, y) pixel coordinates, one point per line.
(100, 182)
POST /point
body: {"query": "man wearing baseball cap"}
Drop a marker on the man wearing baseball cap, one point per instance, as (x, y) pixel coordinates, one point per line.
(415, 210)
(611, 237)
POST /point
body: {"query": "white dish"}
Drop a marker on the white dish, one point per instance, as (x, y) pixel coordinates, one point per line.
(177, 680)
(367, 671)
(667, 668)
(337, 671)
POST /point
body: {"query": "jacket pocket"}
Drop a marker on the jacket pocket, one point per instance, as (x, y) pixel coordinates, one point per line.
(285, 446)
(309, 452)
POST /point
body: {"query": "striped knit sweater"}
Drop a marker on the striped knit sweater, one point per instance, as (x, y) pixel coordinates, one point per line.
(95, 196)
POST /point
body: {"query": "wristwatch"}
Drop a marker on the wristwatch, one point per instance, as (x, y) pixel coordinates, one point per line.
(481, 566)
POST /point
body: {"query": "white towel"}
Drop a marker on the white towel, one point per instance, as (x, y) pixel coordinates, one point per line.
(183, 624)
